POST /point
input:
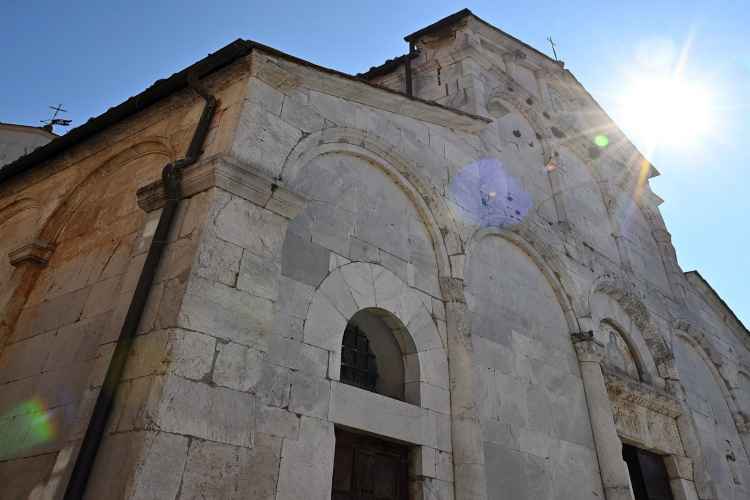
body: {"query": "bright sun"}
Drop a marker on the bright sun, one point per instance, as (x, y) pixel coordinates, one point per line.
(667, 111)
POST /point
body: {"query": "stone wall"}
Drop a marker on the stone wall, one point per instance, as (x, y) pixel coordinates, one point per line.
(77, 241)
(319, 196)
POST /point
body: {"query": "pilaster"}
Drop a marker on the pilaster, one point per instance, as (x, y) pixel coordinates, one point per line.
(614, 471)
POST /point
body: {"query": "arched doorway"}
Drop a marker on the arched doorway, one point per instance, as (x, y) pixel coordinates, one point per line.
(367, 466)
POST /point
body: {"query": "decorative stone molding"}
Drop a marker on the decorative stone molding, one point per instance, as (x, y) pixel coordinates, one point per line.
(742, 421)
(666, 368)
(621, 388)
(230, 175)
(627, 294)
(37, 252)
(679, 467)
(588, 349)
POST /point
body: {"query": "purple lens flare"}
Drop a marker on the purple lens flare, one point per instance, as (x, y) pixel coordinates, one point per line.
(488, 196)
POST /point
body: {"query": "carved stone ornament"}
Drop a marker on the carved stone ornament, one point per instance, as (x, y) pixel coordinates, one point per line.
(588, 349)
(621, 388)
(37, 252)
(742, 421)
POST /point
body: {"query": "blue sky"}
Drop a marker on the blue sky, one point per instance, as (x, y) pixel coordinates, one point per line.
(93, 55)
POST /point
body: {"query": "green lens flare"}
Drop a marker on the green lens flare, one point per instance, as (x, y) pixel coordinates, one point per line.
(601, 140)
(29, 424)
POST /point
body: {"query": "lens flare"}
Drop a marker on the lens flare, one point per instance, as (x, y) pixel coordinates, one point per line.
(29, 424)
(668, 110)
(485, 194)
(664, 103)
(601, 140)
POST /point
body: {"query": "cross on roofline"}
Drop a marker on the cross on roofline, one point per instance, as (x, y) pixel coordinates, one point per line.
(55, 120)
(553, 44)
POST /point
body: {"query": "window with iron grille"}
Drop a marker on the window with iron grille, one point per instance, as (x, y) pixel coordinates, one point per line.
(357, 360)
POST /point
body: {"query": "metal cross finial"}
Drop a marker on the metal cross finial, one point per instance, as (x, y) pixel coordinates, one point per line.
(553, 44)
(57, 109)
(55, 120)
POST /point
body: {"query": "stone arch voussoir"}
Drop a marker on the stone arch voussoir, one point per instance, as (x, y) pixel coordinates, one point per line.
(356, 286)
(626, 294)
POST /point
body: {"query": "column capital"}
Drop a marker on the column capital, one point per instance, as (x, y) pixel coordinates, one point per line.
(588, 349)
(37, 252)
(742, 421)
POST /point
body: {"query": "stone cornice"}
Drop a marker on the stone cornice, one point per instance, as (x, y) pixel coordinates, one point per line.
(281, 73)
(227, 173)
(621, 388)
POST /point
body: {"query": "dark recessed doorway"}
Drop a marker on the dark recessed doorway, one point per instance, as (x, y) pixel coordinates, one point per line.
(367, 468)
(648, 475)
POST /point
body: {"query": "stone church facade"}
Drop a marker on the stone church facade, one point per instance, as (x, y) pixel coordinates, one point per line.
(307, 304)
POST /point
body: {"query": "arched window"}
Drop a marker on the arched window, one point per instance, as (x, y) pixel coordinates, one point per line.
(358, 366)
(371, 355)
(620, 357)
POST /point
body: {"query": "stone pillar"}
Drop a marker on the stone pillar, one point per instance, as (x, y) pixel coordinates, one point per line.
(680, 473)
(468, 451)
(742, 421)
(702, 483)
(613, 470)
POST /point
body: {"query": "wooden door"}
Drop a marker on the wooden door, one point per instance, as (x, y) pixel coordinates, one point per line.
(367, 468)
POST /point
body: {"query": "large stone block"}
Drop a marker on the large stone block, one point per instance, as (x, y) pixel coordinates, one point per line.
(303, 260)
(26, 477)
(296, 355)
(324, 326)
(215, 470)
(25, 358)
(142, 465)
(218, 260)
(310, 395)
(148, 355)
(63, 386)
(255, 229)
(274, 386)
(60, 311)
(307, 463)
(367, 411)
(294, 297)
(264, 139)
(76, 343)
(298, 112)
(227, 313)
(200, 410)
(101, 297)
(238, 367)
(277, 422)
(159, 470)
(259, 276)
(191, 354)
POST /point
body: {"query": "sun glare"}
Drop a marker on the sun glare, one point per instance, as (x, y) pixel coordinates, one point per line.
(664, 101)
(668, 110)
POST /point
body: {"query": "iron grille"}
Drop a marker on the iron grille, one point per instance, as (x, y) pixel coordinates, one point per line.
(357, 360)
